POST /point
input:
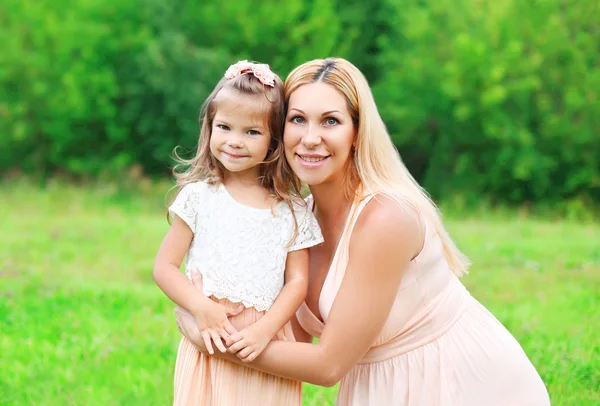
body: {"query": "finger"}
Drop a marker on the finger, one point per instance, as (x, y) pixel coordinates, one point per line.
(251, 357)
(195, 269)
(217, 340)
(207, 342)
(224, 335)
(234, 339)
(235, 311)
(197, 280)
(244, 353)
(199, 348)
(235, 348)
(228, 327)
(183, 315)
(177, 321)
(186, 324)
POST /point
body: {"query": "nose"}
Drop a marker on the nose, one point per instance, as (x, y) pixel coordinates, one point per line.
(311, 138)
(235, 142)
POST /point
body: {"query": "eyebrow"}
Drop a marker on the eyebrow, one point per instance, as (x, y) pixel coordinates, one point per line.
(224, 122)
(324, 114)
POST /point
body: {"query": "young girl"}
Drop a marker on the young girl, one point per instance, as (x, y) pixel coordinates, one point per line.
(245, 229)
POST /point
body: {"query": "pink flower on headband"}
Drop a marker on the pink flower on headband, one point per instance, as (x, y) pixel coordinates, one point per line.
(261, 71)
(264, 74)
(237, 69)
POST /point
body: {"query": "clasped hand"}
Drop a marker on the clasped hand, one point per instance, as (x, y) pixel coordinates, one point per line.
(211, 325)
(246, 344)
(214, 325)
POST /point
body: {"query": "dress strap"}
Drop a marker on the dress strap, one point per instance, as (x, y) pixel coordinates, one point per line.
(308, 321)
(358, 207)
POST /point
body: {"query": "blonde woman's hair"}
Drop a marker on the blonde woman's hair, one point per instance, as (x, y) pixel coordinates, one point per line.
(275, 173)
(375, 166)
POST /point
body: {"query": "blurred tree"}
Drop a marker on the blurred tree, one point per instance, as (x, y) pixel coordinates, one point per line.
(481, 97)
(494, 98)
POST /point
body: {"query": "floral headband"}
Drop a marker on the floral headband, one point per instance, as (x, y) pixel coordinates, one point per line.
(260, 71)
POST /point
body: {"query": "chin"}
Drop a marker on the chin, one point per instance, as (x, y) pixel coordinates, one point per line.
(311, 179)
(234, 169)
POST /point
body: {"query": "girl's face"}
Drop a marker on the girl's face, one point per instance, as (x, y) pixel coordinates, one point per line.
(240, 136)
(319, 134)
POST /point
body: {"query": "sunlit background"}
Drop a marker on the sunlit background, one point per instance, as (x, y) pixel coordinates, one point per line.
(493, 105)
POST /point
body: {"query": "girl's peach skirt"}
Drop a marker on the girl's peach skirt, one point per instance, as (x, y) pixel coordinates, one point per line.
(209, 381)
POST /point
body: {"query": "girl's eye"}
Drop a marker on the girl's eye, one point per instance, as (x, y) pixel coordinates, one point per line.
(222, 127)
(331, 121)
(253, 132)
(297, 120)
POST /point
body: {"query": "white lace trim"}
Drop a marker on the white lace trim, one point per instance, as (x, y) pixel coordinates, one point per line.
(258, 305)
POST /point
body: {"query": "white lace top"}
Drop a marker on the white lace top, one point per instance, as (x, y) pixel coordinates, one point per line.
(240, 250)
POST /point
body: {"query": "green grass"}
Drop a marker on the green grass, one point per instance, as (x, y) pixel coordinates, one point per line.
(81, 322)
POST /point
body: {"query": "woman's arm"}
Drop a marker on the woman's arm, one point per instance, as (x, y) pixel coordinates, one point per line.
(383, 242)
(254, 338)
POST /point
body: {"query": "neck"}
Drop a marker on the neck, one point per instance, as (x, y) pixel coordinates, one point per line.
(331, 201)
(245, 178)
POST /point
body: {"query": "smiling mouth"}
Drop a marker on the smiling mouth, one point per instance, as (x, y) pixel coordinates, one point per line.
(308, 158)
(235, 156)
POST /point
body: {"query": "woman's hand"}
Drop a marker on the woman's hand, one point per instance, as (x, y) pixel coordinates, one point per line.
(186, 324)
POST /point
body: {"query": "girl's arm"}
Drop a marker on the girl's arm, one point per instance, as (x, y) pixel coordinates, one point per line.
(383, 242)
(168, 260)
(211, 317)
(253, 339)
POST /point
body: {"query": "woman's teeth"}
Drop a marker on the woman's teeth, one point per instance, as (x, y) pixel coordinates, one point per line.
(312, 159)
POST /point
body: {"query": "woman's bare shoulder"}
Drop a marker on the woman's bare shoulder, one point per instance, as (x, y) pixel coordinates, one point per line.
(384, 220)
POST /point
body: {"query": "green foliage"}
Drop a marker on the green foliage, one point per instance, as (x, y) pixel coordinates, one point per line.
(481, 97)
(91, 87)
(495, 98)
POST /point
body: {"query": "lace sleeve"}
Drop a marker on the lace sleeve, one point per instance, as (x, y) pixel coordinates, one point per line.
(309, 232)
(186, 205)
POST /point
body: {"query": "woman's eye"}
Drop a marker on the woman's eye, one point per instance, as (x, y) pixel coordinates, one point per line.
(253, 132)
(297, 120)
(222, 127)
(331, 121)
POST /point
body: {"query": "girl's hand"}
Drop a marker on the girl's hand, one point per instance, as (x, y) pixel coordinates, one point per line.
(249, 343)
(213, 322)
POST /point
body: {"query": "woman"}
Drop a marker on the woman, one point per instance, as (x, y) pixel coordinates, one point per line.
(395, 324)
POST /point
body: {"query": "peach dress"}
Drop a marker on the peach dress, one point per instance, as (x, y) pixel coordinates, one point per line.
(438, 347)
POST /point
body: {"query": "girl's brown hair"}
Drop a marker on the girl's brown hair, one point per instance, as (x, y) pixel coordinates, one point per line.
(275, 173)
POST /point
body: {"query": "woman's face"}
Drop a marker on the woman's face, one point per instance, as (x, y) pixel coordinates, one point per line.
(319, 134)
